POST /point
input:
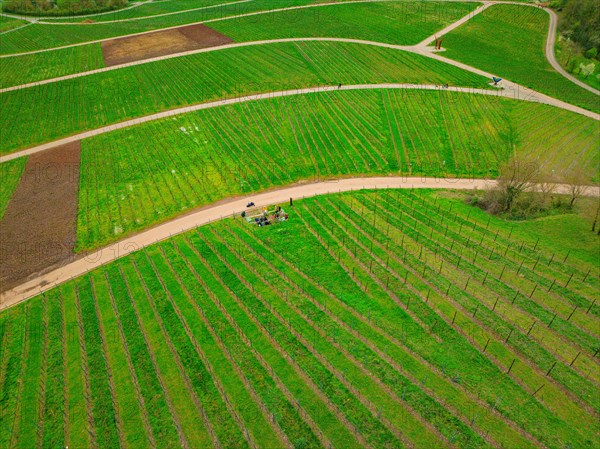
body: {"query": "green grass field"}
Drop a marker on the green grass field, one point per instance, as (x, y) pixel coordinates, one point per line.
(401, 23)
(44, 36)
(10, 175)
(40, 66)
(136, 177)
(8, 23)
(509, 41)
(63, 108)
(389, 319)
(369, 319)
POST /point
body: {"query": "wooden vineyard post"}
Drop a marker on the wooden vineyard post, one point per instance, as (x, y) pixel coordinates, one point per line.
(568, 282)
(511, 366)
(486, 345)
(509, 334)
(494, 308)
(576, 357)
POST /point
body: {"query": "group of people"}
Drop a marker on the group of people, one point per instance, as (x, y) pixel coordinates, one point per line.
(264, 219)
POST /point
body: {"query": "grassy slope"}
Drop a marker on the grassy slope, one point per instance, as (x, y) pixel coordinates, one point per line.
(44, 36)
(135, 177)
(393, 350)
(10, 174)
(146, 10)
(572, 62)
(7, 23)
(509, 41)
(402, 23)
(59, 109)
(36, 67)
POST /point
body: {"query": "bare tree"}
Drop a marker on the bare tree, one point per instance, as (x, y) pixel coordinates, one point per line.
(592, 213)
(516, 177)
(576, 180)
(546, 181)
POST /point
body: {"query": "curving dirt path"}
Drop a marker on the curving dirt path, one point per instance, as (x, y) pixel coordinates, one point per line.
(131, 19)
(229, 208)
(510, 92)
(550, 40)
(35, 19)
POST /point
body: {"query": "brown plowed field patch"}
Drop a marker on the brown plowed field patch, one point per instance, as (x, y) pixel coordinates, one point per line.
(38, 230)
(162, 43)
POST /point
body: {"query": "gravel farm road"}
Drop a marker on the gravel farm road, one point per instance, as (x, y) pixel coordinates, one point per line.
(229, 208)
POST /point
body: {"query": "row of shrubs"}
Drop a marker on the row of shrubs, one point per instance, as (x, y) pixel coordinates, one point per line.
(61, 7)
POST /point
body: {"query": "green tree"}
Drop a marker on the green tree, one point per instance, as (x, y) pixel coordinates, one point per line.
(580, 20)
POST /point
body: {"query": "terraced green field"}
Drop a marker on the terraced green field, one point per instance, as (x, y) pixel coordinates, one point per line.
(370, 319)
(63, 108)
(401, 23)
(136, 177)
(509, 40)
(10, 175)
(390, 319)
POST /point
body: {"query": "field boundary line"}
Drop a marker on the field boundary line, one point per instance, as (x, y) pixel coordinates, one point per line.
(205, 50)
(17, 28)
(237, 16)
(548, 48)
(551, 55)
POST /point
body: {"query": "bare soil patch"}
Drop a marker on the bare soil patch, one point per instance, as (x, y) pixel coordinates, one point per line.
(38, 230)
(162, 43)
